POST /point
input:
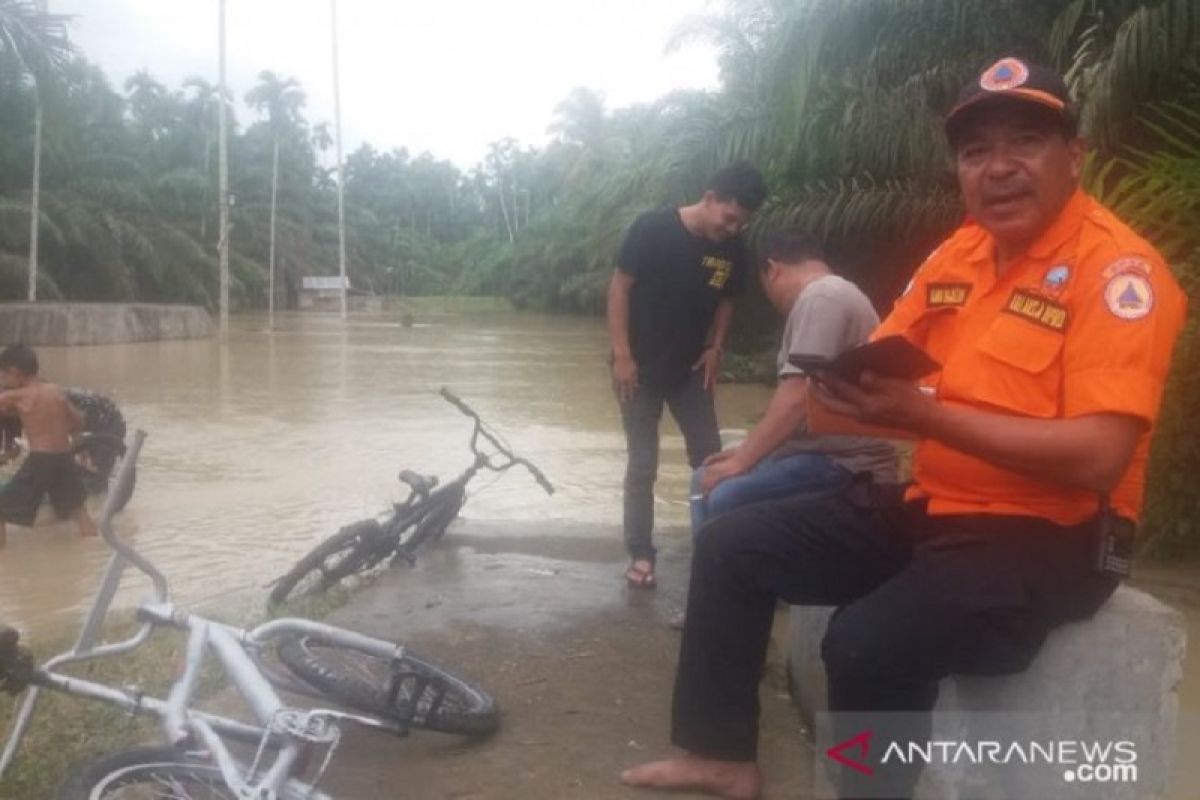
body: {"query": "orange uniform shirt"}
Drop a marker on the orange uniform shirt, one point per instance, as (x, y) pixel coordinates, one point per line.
(1083, 323)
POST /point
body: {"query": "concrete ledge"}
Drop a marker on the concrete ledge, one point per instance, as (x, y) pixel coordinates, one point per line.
(100, 323)
(1127, 659)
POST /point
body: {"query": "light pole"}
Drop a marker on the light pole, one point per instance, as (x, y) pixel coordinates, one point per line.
(36, 195)
(223, 171)
(341, 181)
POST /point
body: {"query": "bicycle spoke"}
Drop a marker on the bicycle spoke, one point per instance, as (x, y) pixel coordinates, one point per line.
(156, 785)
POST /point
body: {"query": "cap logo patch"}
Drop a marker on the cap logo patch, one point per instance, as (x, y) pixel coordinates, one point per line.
(1129, 296)
(1005, 74)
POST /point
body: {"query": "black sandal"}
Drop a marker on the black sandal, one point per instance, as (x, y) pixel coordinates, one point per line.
(638, 578)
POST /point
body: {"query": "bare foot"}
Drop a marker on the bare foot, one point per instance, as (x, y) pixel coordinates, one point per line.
(734, 780)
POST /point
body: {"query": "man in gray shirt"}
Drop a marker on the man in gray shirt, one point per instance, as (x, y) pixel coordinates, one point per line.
(826, 315)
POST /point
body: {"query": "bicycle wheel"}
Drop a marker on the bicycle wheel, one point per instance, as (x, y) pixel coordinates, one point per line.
(409, 690)
(354, 548)
(433, 525)
(159, 773)
(145, 773)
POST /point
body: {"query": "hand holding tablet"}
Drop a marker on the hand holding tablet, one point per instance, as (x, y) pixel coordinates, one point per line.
(890, 357)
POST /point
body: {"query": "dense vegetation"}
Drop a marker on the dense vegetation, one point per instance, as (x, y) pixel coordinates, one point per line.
(839, 103)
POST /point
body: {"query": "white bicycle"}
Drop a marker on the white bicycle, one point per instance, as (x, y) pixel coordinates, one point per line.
(385, 686)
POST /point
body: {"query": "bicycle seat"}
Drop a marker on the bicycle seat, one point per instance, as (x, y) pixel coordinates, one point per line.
(420, 484)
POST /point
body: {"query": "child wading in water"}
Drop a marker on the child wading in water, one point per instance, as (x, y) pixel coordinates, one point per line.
(49, 421)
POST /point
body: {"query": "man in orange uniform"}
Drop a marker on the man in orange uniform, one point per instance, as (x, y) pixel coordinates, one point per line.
(1054, 325)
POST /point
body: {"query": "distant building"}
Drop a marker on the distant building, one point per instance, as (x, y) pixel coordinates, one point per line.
(324, 293)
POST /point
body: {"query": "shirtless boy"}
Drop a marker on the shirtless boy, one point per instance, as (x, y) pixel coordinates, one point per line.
(49, 421)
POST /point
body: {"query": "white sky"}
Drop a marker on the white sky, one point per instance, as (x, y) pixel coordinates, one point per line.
(447, 76)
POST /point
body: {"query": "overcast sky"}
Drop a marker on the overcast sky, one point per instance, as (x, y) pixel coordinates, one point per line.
(447, 76)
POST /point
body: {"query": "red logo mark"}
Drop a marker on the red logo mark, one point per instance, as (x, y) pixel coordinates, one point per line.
(862, 743)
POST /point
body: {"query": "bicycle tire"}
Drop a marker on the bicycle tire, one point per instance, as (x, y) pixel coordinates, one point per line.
(433, 525)
(119, 775)
(386, 688)
(360, 546)
(131, 774)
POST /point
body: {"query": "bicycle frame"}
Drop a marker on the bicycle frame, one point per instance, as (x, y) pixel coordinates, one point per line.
(288, 732)
(423, 499)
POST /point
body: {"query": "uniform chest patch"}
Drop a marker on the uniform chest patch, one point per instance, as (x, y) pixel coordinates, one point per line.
(719, 270)
(1129, 296)
(947, 295)
(1037, 309)
(1056, 278)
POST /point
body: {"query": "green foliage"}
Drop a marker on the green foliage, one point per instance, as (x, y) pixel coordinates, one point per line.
(1172, 502)
(1157, 190)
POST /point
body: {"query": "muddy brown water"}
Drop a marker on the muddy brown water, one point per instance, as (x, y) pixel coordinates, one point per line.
(262, 446)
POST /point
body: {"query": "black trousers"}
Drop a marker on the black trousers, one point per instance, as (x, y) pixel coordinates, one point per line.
(919, 597)
(692, 406)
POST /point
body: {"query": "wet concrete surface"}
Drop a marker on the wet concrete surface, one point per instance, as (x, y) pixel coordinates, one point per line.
(581, 666)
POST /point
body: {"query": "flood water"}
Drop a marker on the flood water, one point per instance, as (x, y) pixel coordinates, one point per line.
(264, 445)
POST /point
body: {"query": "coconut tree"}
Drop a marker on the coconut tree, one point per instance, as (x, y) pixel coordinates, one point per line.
(33, 42)
(202, 106)
(280, 100)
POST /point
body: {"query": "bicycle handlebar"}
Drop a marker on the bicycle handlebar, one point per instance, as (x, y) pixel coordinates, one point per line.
(119, 487)
(457, 402)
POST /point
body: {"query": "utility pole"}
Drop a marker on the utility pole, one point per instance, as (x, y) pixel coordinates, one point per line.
(274, 197)
(223, 170)
(341, 180)
(35, 200)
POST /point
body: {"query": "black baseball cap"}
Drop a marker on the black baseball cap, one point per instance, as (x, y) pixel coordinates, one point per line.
(1013, 78)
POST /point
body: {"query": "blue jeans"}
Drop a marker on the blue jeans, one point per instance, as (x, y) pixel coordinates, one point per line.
(770, 479)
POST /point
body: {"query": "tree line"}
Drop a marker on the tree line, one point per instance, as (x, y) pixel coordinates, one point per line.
(840, 104)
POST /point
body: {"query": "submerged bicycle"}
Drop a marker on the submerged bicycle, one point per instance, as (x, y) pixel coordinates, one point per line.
(387, 687)
(422, 517)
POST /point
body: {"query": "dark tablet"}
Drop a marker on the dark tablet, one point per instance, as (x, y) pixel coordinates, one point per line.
(889, 357)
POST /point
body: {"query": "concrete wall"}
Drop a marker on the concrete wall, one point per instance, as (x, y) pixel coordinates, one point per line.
(100, 323)
(332, 301)
(1126, 661)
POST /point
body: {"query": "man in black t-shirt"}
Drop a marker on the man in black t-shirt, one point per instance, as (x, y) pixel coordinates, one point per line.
(669, 306)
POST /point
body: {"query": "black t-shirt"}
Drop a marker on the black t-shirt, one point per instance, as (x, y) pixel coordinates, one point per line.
(679, 279)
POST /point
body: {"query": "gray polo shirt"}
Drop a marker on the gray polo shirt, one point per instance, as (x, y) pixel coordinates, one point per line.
(829, 317)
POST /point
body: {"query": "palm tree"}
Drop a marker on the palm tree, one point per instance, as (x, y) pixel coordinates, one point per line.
(36, 43)
(1123, 55)
(280, 99)
(204, 107)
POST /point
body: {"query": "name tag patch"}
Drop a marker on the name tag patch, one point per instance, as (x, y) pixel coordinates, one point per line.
(947, 295)
(1037, 309)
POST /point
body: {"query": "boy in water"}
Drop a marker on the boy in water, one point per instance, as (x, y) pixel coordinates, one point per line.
(49, 421)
